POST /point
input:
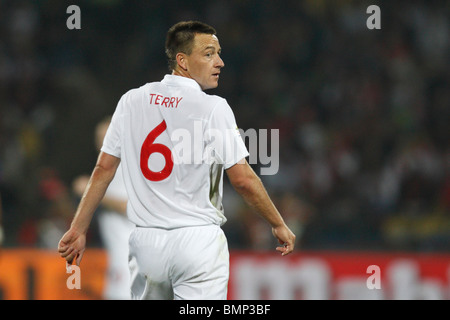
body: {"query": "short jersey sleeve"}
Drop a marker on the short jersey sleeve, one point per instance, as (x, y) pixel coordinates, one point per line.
(224, 136)
(112, 140)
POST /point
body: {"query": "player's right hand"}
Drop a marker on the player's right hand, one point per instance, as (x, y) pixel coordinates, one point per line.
(72, 246)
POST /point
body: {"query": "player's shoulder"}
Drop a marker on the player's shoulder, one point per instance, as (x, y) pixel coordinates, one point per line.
(213, 100)
(213, 105)
(220, 103)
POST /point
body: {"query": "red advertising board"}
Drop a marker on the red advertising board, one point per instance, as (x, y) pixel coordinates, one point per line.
(339, 275)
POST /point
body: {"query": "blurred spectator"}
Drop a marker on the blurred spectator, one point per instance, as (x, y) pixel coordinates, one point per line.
(58, 209)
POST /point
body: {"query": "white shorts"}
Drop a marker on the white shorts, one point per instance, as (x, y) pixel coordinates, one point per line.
(189, 263)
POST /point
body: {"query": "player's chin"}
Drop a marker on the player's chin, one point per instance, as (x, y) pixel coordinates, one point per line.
(212, 84)
(215, 81)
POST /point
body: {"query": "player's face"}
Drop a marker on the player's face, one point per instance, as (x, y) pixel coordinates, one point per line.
(204, 62)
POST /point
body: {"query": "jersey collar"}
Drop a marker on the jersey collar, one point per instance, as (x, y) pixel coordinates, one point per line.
(173, 80)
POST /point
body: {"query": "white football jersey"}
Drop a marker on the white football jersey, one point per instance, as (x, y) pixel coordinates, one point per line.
(174, 142)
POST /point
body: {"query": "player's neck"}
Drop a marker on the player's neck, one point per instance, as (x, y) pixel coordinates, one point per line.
(181, 73)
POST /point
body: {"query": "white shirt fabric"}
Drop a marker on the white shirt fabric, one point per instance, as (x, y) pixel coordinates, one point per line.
(175, 119)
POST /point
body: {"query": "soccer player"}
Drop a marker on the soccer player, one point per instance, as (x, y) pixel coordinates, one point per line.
(177, 250)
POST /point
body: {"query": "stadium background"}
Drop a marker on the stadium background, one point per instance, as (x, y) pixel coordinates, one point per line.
(363, 118)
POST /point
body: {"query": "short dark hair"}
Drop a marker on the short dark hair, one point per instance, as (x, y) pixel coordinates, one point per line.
(180, 38)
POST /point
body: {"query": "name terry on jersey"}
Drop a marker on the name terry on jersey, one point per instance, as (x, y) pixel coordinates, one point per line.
(168, 102)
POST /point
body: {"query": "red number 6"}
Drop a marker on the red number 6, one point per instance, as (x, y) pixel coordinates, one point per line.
(148, 147)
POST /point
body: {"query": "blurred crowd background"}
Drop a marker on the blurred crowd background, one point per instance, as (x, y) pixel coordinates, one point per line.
(363, 114)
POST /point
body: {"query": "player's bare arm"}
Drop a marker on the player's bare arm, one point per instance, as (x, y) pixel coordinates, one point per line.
(251, 188)
(72, 244)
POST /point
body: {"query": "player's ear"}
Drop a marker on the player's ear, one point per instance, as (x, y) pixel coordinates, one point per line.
(181, 60)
